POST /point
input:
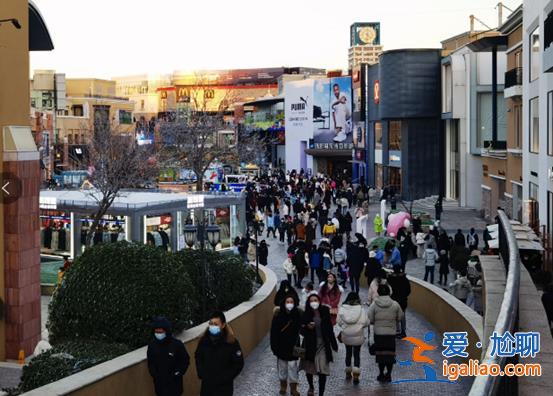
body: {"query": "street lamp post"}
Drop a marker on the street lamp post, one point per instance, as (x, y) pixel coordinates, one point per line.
(193, 234)
(257, 227)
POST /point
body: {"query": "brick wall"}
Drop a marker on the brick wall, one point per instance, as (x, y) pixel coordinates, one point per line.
(22, 261)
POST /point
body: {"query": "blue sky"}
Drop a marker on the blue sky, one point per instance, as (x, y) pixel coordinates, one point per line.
(105, 38)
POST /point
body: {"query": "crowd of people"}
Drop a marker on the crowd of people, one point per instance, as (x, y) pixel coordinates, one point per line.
(318, 305)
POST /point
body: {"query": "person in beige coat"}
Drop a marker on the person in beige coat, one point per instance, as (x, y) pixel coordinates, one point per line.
(385, 313)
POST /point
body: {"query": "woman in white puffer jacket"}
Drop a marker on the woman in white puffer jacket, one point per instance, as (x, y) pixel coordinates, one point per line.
(352, 320)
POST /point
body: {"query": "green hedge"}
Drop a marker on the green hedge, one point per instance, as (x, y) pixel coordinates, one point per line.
(65, 359)
(108, 297)
(112, 292)
(228, 282)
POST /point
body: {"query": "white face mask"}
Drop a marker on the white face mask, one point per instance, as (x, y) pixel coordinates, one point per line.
(289, 306)
(314, 305)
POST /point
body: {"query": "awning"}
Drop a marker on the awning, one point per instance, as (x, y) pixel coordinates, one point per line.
(39, 37)
(328, 153)
(486, 44)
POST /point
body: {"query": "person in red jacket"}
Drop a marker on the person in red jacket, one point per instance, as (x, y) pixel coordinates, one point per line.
(331, 293)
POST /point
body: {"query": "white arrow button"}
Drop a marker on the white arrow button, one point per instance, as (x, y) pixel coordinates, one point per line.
(4, 188)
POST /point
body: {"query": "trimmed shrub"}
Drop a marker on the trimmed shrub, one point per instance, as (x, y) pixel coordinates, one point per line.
(113, 290)
(66, 359)
(228, 281)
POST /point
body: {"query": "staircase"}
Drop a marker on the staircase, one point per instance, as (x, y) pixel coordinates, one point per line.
(427, 205)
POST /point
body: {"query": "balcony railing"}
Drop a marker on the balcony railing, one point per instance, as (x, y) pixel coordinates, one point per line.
(513, 77)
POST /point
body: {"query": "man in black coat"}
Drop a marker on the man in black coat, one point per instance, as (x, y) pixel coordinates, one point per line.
(219, 358)
(459, 238)
(357, 262)
(401, 290)
(168, 359)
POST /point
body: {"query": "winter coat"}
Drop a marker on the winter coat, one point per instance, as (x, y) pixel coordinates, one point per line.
(384, 313)
(377, 223)
(396, 257)
(331, 298)
(339, 256)
(444, 264)
(282, 293)
(373, 265)
(310, 335)
(357, 261)
(459, 257)
(263, 254)
(310, 233)
(219, 360)
(270, 222)
(329, 229)
(472, 239)
(373, 289)
(168, 361)
(315, 259)
(346, 223)
(285, 330)
(289, 266)
(429, 256)
(300, 231)
(327, 262)
(401, 287)
(461, 288)
(459, 239)
(352, 320)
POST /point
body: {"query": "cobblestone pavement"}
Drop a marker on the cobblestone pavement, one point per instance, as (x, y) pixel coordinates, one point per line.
(260, 377)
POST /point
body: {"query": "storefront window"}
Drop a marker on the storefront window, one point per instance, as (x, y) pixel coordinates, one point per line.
(535, 54)
(158, 230)
(378, 136)
(394, 141)
(395, 179)
(534, 134)
(55, 232)
(221, 217)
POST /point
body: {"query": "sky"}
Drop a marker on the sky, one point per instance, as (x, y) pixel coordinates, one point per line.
(109, 38)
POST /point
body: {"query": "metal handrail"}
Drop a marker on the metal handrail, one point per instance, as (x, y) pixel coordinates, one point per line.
(508, 313)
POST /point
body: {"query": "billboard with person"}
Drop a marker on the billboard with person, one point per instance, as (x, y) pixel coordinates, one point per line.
(332, 111)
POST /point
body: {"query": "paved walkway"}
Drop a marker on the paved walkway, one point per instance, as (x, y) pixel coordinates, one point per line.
(260, 377)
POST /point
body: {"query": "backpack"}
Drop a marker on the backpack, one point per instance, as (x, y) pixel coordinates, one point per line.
(472, 240)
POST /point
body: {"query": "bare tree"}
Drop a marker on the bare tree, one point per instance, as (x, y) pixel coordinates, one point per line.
(115, 162)
(192, 140)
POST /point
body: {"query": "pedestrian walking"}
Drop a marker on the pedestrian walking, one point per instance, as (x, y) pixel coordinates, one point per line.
(373, 265)
(357, 262)
(301, 263)
(381, 278)
(385, 313)
(331, 293)
(377, 223)
(443, 259)
(319, 342)
(270, 221)
(263, 252)
(219, 358)
(401, 290)
(472, 240)
(305, 293)
(461, 288)
(284, 289)
(438, 208)
(487, 237)
(315, 262)
(352, 321)
(430, 256)
(459, 238)
(285, 332)
(168, 359)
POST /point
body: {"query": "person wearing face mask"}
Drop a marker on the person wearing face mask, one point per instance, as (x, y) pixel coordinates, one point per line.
(318, 341)
(168, 359)
(285, 331)
(219, 358)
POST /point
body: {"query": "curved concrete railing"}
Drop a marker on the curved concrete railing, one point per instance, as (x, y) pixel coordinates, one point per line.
(128, 374)
(445, 312)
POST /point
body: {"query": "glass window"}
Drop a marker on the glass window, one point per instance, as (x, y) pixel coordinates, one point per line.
(550, 123)
(378, 136)
(394, 141)
(534, 191)
(447, 89)
(534, 125)
(517, 110)
(484, 133)
(535, 54)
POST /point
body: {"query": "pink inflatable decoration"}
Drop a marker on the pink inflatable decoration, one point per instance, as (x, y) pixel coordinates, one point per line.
(396, 221)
